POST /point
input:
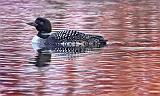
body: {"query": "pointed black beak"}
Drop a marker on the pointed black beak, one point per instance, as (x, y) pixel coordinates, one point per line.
(32, 24)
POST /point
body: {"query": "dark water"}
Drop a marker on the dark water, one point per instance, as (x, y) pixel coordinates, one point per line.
(129, 66)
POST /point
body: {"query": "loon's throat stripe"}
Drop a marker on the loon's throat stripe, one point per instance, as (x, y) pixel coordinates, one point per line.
(45, 33)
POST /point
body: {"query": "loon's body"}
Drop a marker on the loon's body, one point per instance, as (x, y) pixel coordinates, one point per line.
(66, 38)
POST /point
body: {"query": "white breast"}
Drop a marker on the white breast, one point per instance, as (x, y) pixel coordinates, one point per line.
(38, 43)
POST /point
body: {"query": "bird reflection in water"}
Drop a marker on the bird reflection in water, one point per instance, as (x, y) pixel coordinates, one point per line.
(42, 58)
(44, 55)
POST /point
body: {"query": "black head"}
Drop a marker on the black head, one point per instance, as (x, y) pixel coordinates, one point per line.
(42, 25)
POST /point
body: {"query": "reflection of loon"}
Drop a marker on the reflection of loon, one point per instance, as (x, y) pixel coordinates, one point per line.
(62, 39)
(42, 59)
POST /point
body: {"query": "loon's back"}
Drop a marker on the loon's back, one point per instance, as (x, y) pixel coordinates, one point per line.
(74, 37)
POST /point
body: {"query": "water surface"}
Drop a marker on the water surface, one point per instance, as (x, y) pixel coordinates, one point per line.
(128, 66)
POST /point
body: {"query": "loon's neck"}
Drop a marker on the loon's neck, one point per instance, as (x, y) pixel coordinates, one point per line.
(37, 39)
(43, 35)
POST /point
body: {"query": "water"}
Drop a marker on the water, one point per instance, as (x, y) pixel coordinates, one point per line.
(128, 66)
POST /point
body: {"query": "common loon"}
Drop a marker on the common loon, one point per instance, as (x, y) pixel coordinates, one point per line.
(68, 38)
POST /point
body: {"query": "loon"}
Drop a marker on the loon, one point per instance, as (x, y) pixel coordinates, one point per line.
(65, 38)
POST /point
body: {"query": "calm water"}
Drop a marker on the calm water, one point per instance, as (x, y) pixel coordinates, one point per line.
(128, 66)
